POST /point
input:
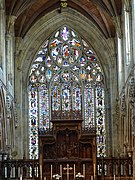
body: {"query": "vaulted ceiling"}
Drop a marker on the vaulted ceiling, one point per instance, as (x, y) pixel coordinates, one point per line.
(101, 12)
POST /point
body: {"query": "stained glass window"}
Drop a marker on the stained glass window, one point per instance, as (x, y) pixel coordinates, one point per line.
(66, 75)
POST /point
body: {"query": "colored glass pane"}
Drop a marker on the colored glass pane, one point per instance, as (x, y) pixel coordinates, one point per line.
(77, 98)
(89, 106)
(33, 123)
(66, 99)
(43, 107)
(100, 122)
(56, 97)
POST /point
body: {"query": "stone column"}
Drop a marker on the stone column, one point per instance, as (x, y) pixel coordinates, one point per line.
(133, 30)
(132, 103)
(120, 59)
(120, 65)
(115, 127)
(2, 43)
(133, 156)
(19, 98)
(10, 45)
(113, 94)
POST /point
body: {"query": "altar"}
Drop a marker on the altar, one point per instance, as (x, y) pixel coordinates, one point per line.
(67, 149)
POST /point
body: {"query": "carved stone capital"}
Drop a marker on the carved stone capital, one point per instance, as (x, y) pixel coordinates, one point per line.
(127, 6)
(10, 24)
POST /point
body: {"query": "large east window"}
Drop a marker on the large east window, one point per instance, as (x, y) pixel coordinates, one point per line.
(66, 76)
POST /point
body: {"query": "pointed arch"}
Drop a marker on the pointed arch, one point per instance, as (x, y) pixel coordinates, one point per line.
(66, 75)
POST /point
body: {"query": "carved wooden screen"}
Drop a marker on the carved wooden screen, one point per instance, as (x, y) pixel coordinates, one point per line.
(67, 152)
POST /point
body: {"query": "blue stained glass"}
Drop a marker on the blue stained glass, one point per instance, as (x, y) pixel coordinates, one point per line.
(65, 63)
(89, 106)
(39, 59)
(48, 61)
(43, 107)
(76, 98)
(55, 53)
(83, 74)
(56, 98)
(82, 61)
(33, 124)
(48, 74)
(101, 135)
(66, 100)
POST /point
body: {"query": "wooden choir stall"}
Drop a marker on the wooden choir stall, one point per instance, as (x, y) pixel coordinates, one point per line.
(67, 148)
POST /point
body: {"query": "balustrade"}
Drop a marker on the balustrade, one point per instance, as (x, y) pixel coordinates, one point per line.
(107, 168)
(14, 169)
(114, 167)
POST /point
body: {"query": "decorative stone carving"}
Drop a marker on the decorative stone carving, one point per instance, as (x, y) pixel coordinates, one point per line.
(11, 106)
(10, 24)
(127, 6)
(63, 3)
(123, 104)
(15, 114)
(133, 125)
(117, 112)
(8, 106)
(132, 103)
(14, 154)
(132, 91)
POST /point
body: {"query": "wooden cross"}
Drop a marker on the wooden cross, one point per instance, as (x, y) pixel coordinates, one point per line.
(67, 168)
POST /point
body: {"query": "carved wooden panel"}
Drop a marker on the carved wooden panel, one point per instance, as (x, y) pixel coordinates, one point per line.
(49, 151)
(85, 150)
(68, 151)
(67, 144)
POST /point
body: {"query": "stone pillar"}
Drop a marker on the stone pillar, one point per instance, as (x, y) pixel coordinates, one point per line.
(133, 156)
(120, 59)
(19, 107)
(10, 45)
(120, 64)
(2, 43)
(123, 112)
(133, 30)
(113, 92)
(115, 127)
(132, 103)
